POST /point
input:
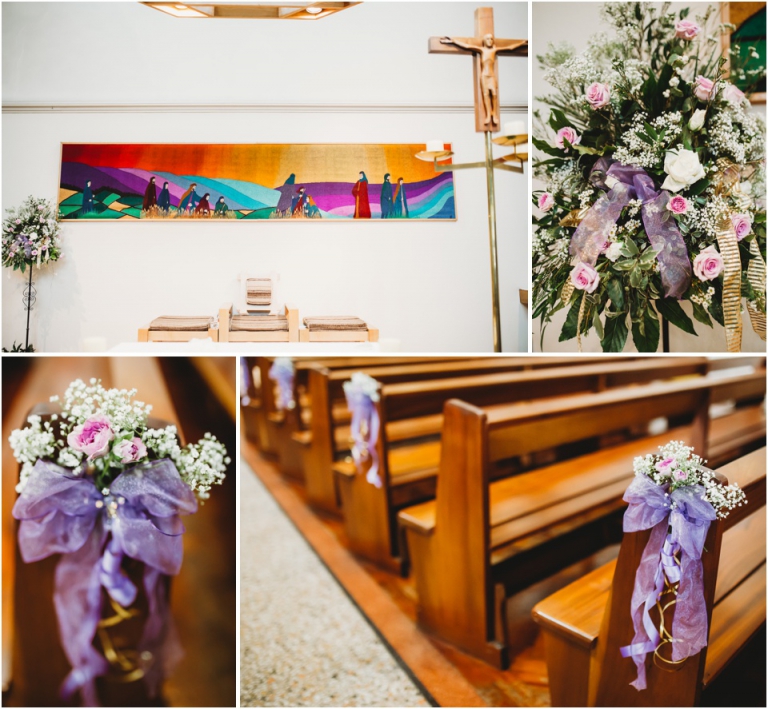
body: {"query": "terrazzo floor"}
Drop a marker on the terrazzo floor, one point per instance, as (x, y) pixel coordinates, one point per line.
(302, 641)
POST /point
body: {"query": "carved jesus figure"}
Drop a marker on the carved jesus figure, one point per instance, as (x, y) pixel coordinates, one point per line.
(489, 87)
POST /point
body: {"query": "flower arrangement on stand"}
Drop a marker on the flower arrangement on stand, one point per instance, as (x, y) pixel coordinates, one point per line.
(654, 173)
(675, 496)
(100, 486)
(30, 238)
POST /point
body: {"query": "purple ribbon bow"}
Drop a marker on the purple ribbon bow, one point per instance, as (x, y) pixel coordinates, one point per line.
(679, 523)
(365, 431)
(282, 372)
(62, 513)
(622, 184)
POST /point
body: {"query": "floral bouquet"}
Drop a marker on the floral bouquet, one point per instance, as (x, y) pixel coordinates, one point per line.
(99, 484)
(655, 183)
(677, 497)
(31, 235)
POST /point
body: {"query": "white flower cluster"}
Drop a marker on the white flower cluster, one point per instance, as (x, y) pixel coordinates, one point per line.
(30, 444)
(676, 465)
(363, 383)
(31, 234)
(706, 218)
(82, 401)
(635, 150)
(736, 134)
(703, 297)
(203, 464)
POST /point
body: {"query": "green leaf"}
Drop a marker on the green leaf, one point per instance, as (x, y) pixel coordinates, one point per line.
(700, 314)
(615, 334)
(671, 310)
(584, 150)
(634, 277)
(648, 257)
(615, 293)
(716, 311)
(651, 131)
(547, 148)
(624, 264)
(645, 332)
(569, 326)
(557, 119)
(631, 246)
(598, 324)
(699, 187)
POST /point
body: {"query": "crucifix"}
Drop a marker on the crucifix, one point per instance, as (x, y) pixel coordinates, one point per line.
(485, 48)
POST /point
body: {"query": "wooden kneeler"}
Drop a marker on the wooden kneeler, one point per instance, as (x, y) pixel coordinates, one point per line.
(337, 334)
(286, 327)
(198, 329)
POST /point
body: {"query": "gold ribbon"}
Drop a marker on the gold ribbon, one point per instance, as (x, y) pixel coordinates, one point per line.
(668, 665)
(729, 250)
(126, 662)
(574, 217)
(756, 278)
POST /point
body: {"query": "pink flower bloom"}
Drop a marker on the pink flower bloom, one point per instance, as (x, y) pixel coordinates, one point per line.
(680, 475)
(678, 205)
(733, 95)
(18, 221)
(34, 252)
(708, 264)
(130, 451)
(585, 278)
(568, 134)
(702, 88)
(92, 437)
(663, 466)
(686, 29)
(546, 202)
(742, 225)
(598, 95)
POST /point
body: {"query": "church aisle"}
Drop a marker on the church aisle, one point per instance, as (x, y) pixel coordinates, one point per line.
(296, 622)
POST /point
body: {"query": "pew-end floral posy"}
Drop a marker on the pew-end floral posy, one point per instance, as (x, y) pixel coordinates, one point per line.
(653, 98)
(106, 429)
(676, 466)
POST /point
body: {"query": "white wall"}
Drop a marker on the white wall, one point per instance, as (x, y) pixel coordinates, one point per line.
(574, 23)
(427, 284)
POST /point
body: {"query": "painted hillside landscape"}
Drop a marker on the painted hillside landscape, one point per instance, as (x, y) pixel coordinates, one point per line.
(183, 181)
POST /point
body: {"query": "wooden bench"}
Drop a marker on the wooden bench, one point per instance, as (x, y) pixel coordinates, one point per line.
(586, 622)
(409, 444)
(273, 328)
(479, 541)
(326, 437)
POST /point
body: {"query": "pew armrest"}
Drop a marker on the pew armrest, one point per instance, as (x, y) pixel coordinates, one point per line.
(347, 468)
(419, 518)
(303, 438)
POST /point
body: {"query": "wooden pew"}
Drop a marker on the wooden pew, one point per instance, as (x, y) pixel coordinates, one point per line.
(479, 541)
(328, 438)
(586, 622)
(414, 411)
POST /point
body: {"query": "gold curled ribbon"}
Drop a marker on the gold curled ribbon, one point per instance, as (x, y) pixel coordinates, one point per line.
(126, 662)
(667, 665)
(574, 217)
(756, 278)
(565, 298)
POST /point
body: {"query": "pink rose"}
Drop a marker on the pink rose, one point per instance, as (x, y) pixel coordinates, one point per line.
(708, 264)
(702, 88)
(733, 95)
(598, 95)
(742, 225)
(678, 205)
(546, 202)
(663, 466)
(686, 29)
(92, 437)
(680, 475)
(130, 451)
(585, 278)
(568, 134)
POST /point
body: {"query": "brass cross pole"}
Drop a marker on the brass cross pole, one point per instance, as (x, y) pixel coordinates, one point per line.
(485, 47)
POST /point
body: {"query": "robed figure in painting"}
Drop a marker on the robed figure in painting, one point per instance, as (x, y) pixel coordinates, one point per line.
(360, 193)
(203, 208)
(297, 203)
(399, 201)
(87, 207)
(284, 207)
(164, 200)
(386, 198)
(189, 199)
(221, 208)
(150, 196)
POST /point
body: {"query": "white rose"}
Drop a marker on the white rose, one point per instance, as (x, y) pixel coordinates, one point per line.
(683, 169)
(697, 119)
(613, 252)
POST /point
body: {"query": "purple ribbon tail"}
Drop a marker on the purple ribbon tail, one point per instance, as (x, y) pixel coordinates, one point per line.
(118, 585)
(77, 598)
(372, 476)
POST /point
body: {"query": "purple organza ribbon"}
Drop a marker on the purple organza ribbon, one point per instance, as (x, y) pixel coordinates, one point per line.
(365, 432)
(245, 382)
(282, 372)
(63, 513)
(622, 184)
(679, 522)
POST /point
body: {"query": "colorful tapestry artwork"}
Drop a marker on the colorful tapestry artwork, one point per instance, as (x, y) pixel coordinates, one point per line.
(195, 181)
